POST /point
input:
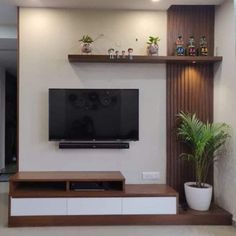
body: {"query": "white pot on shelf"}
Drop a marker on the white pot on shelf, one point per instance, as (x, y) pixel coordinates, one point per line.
(198, 198)
(152, 50)
(86, 48)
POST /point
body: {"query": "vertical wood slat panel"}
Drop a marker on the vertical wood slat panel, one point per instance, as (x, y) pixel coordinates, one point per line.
(190, 20)
(189, 87)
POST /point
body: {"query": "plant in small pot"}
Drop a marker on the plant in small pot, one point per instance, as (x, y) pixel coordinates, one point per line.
(153, 47)
(86, 46)
(204, 141)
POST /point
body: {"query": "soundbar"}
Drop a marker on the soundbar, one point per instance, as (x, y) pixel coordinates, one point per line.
(92, 145)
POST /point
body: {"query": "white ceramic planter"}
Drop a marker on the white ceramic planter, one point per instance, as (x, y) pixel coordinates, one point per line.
(198, 198)
(152, 50)
(86, 48)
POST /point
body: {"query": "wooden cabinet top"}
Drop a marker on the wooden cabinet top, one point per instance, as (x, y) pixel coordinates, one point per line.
(68, 176)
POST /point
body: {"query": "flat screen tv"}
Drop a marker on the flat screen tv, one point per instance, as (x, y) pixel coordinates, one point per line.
(93, 114)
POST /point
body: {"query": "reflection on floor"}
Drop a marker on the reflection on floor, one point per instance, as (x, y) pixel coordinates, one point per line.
(7, 172)
(4, 177)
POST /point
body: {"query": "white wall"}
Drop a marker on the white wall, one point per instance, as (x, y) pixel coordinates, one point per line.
(2, 118)
(224, 103)
(46, 38)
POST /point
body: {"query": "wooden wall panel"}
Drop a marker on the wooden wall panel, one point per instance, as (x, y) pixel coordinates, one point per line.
(190, 20)
(189, 87)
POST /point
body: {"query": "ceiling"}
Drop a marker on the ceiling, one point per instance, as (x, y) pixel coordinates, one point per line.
(108, 4)
(8, 15)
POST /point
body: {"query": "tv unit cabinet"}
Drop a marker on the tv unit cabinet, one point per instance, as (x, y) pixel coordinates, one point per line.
(56, 198)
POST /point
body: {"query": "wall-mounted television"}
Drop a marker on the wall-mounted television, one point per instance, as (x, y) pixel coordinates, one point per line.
(93, 114)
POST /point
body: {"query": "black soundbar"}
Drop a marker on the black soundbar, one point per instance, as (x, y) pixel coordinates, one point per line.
(93, 145)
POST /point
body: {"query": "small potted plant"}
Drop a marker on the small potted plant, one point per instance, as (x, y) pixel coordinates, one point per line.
(86, 46)
(153, 46)
(204, 140)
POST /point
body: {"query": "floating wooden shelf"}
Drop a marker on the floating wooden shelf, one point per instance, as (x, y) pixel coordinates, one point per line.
(144, 59)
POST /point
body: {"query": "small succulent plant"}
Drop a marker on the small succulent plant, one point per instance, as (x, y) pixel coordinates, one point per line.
(86, 39)
(153, 40)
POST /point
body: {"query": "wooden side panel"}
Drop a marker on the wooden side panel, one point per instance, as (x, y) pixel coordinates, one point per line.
(189, 89)
(189, 86)
(190, 20)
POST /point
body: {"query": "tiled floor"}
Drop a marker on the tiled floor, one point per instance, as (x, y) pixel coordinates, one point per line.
(107, 230)
(7, 172)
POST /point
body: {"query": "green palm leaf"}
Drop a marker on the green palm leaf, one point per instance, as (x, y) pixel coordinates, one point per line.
(205, 139)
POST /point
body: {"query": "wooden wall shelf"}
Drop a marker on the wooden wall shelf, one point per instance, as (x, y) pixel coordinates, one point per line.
(144, 59)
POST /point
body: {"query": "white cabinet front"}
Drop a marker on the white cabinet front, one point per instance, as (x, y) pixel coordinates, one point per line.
(38, 206)
(149, 205)
(94, 206)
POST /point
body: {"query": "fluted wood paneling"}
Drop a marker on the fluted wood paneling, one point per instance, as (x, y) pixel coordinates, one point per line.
(189, 87)
(190, 20)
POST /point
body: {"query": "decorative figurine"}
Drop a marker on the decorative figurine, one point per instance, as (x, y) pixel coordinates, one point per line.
(180, 50)
(123, 54)
(117, 55)
(203, 50)
(130, 51)
(191, 46)
(111, 53)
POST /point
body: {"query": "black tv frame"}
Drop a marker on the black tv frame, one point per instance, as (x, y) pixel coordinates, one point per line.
(97, 143)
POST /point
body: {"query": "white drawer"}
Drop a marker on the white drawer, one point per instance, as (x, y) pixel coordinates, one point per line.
(94, 206)
(38, 206)
(149, 205)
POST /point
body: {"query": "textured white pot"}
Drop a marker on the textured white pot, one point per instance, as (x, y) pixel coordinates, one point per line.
(86, 48)
(152, 50)
(198, 198)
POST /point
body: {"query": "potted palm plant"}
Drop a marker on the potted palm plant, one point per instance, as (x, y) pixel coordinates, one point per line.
(204, 140)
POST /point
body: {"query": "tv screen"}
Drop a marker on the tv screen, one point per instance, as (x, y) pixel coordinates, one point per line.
(93, 114)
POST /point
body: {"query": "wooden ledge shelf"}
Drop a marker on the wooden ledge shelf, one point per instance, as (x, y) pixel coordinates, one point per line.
(145, 59)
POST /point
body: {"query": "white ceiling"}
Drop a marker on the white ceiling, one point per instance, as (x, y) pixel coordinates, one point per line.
(102, 4)
(8, 12)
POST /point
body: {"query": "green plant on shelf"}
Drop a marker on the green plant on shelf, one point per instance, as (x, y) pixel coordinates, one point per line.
(153, 40)
(86, 39)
